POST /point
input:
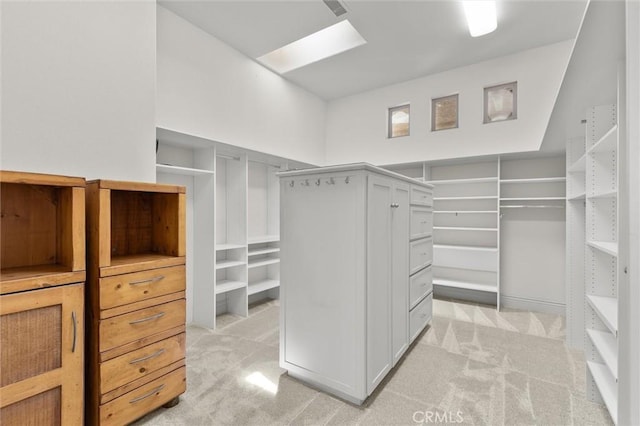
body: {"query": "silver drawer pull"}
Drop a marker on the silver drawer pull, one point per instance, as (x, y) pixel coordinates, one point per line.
(152, 317)
(146, 395)
(75, 331)
(151, 280)
(144, 358)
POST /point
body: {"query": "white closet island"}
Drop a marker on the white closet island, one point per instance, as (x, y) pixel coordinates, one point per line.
(356, 253)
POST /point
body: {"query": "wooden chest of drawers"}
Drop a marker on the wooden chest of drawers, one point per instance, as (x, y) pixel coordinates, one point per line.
(135, 299)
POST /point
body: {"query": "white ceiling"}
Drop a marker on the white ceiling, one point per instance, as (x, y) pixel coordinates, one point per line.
(406, 39)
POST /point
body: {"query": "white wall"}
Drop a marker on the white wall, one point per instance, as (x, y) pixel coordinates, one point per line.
(78, 88)
(357, 125)
(206, 88)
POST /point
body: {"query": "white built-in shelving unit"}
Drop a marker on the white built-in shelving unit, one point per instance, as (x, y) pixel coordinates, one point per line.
(233, 222)
(466, 227)
(601, 255)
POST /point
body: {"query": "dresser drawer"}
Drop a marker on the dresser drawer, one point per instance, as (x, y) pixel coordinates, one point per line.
(420, 254)
(128, 288)
(421, 196)
(420, 316)
(421, 222)
(138, 402)
(420, 284)
(121, 329)
(141, 362)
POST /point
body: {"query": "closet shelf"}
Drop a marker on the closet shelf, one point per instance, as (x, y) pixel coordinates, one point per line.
(263, 262)
(264, 239)
(259, 286)
(607, 310)
(606, 194)
(473, 197)
(535, 180)
(607, 346)
(580, 165)
(604, 246)
(580, 196)
(608, 142)
(222, 247)
(606, 386)
(224, 264)
(534, 199)
(464, 180)
(179, 170)
(490, 288)
(258, 252)
(463, 247)
(465, 212)
(228, 285)
(462, 228)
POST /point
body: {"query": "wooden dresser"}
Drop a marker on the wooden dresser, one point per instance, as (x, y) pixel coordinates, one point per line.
(135, 299)
(42, 240)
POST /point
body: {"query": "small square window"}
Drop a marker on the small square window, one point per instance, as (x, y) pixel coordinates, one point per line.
(444, 113)
(501, 102)
(398, 121)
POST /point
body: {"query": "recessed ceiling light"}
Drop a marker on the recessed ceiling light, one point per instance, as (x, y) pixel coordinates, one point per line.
(320, 45)
(481, 16)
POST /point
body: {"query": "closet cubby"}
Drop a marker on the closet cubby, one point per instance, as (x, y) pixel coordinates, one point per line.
(42, 230)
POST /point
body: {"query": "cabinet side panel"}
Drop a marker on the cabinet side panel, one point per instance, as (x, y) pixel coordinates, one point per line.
(322, 280)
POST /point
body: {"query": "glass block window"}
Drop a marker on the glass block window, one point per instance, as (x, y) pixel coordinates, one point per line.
(398, 121)
(501, 102)
(444, 113)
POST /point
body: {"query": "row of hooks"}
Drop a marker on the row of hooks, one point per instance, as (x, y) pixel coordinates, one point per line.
(318, 182)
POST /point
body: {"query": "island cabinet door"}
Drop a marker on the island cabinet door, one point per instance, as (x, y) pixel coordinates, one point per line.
(379, 276)
(41, 345)
(400, 270)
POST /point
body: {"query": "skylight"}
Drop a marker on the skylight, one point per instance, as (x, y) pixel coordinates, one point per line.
(481, 16)
(320, 45)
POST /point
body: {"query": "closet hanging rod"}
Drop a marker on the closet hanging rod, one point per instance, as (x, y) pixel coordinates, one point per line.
(539, 206)
(228, 157)
(264, 162)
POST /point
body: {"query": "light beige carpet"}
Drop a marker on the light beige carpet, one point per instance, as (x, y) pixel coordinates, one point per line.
(474, 366)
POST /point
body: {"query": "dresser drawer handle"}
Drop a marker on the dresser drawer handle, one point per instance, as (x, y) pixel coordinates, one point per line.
(147, 395)
(144, 358)
(151, 280)
(152, 317)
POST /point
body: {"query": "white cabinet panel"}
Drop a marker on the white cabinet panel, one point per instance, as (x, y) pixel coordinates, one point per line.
(421, 284)
(421, 222)
(421, 254)
(420, 316)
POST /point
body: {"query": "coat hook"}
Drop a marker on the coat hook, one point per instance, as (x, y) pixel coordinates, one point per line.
(331, 181)
(346, 179)
(318, 182)
(291, 184)
(306, 182)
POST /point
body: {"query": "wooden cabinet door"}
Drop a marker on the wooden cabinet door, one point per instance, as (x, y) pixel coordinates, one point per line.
(41, 356)
(379, 214)
(400, 270)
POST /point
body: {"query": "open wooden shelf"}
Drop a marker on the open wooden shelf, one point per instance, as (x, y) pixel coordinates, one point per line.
(535, 180)
(491, 288)
(262, 251)
(179, 170)
(608, 141)
(225, 286)
(463, 180)
(610, 248)
(222, 247)
(224, 264)
(263, 262)
(264, 239)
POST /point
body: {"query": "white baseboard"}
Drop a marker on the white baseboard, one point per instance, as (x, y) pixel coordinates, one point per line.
(532, 305)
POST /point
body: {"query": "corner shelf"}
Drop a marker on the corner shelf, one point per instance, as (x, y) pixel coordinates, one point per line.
(581, 196)
(580, 165)
(607, 309)
(606, 194)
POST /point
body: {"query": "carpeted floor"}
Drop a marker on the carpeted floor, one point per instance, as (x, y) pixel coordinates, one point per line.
(473, 365)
